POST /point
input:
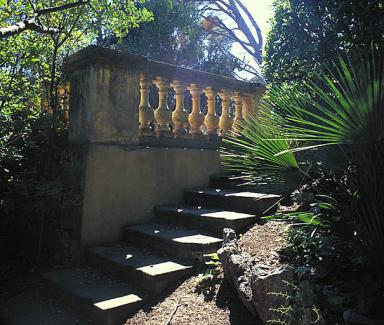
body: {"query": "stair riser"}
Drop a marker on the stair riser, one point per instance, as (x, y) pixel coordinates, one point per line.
(238, 204)
(115, 316)
(184, 251)
(154, 284)
(228, 183)
(238, 186)
(224, 183)
(211, 225)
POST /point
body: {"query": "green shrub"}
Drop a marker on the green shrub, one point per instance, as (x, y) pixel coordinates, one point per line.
(333, 125)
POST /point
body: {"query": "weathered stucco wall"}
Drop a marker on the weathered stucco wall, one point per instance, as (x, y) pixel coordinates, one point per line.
(104, 105)
(123, 180)
(123, 184)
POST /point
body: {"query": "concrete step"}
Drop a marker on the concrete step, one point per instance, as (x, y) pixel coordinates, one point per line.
(183, 243)
(225, 180)
(97, 296)
(24, 301)
(246, 202)
(152, 272)
(211, 220)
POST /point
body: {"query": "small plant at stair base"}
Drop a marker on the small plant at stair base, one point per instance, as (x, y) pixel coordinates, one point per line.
(210, 278)
(212, 268)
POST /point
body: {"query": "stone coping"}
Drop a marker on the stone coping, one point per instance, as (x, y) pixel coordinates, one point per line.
(92, 55)
(164, 142)
(148, 142)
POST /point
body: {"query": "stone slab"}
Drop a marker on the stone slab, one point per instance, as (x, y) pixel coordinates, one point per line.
(177, 241)
(192, 212)
(154, 272)
(211, 220)
(239, 201)
(175, 234)
(101, 298)
(31, 305)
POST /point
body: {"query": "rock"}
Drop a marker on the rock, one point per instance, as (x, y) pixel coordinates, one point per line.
(304, 271)
(302, 197)
(259, 287)
(312, 316)
(365, 296)
(272, 291)
(336, 301)
(306, 295)
(276, 294)
(229, 235)
(225, 253)
(237, 269)
(351, 317)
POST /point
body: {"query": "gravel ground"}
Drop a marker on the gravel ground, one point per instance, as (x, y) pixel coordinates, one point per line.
(26, 301)
(190, 304)
(264, 242)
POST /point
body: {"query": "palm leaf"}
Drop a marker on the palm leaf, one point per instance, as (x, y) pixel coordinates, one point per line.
(254, 152)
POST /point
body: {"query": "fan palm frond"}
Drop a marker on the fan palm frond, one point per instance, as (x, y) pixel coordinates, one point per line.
(343, 106)
(254, 152)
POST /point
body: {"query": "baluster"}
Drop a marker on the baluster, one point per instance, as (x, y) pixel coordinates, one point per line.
(179, 115)
(238, 120)
(146, 115)
(259, 93)
(196, 118)
(226, 120)
(248, 106)
(162, 114)
(211, 120)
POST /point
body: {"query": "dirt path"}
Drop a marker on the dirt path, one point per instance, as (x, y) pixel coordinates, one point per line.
(191, 304)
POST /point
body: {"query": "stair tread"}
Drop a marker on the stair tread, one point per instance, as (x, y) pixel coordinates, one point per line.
(174, 234)
(139, 259)
(95, 288)
(191, 211)
(233, 193)
(227, 176)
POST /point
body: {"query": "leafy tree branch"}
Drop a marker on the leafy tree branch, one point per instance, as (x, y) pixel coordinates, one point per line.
(34, 22)
(233, 19)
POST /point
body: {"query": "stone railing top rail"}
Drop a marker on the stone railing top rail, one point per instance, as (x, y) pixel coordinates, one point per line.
(99, 55)
(109, 101)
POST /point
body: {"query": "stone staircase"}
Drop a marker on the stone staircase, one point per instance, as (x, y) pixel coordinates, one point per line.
(116, 280)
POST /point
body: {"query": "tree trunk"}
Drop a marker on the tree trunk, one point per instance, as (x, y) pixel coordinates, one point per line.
(52, 85)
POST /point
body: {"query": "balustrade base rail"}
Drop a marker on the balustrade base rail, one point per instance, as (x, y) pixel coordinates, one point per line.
(205, 142)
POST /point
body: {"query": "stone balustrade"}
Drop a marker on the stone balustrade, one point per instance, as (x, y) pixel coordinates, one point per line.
(132, 156)
(112, 90)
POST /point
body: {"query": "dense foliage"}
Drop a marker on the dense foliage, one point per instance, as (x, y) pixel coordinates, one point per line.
(34, 60)
(176, 36)
(306, 34)
(318, 140)
(100, 18)
(33, 131)
(328, 135)
(33, 135)
(233, 21)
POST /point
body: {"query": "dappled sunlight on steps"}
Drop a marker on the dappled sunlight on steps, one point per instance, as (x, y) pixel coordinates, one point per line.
(155, 256)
